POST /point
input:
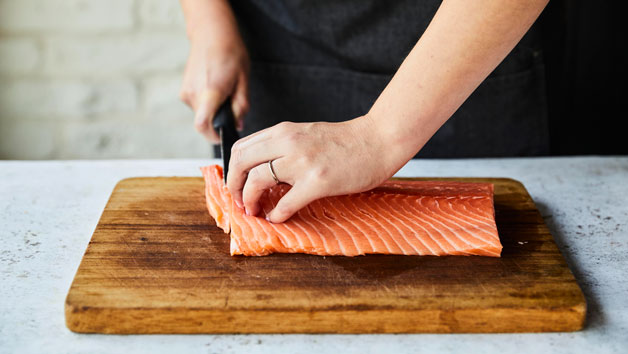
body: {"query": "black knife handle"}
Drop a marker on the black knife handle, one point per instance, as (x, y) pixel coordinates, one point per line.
(224, 124)
(224, 116)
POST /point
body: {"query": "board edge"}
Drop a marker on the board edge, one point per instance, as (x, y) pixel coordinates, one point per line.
(81, 319)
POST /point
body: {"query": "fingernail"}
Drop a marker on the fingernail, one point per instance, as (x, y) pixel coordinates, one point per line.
(239, 204)
(268, 218)
(246, 211)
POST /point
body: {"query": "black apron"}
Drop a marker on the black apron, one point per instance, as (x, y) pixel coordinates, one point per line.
(330, 60)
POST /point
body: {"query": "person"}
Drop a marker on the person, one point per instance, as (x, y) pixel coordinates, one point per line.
(341, 94)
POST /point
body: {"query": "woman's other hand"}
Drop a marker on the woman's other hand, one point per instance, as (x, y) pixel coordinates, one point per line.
(218, 64)
(317, 159)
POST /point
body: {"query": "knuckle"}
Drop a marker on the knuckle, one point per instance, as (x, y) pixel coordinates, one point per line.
(219, 81)
(321, 172)
(185, 96)
(292, 137)
(200, 125)
(236, 149)
(221, 61)
(320, 175)
(297, 142)
(307, 158)
(283, 128)
(309, 127)
(214, 83)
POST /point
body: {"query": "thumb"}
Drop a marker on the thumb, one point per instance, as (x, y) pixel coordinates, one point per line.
(206, 107)
(240, 100)
(300, 195)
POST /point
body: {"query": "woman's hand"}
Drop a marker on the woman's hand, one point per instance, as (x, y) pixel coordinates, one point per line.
(217, 67)
(317, 159)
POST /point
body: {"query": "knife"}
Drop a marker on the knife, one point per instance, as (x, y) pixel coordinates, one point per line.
(224, 125)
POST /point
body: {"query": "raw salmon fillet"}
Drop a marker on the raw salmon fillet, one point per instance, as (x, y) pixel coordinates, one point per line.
(399, 217)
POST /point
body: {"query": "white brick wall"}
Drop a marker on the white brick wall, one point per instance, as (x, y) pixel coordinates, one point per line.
(127, 54)
(94, 79)
(67, 16)
(19, 55)
(64, 100)
(160, 13)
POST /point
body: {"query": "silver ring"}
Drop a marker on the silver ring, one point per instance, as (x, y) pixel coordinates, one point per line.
(272, 171)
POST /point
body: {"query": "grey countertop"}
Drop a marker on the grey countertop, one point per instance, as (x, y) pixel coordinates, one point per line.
(49, 209)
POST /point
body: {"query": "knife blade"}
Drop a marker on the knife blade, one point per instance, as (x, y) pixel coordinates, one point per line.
(224, 125)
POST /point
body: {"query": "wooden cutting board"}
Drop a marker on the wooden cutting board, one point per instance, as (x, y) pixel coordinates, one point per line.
(157, 264)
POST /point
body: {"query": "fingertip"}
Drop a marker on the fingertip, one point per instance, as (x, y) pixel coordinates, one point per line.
(251, 210)
(237, 198)
(200, 120)
(209, 134)
(239, 110)
(271, 219)
(277, 216)
(298, 197)
(207, 104)
(201, 124)
(212, 136)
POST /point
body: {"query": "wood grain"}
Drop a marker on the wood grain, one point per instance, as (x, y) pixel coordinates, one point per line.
(156, 263)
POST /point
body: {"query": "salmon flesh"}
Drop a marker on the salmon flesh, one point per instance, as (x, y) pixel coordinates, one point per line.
(399, 217)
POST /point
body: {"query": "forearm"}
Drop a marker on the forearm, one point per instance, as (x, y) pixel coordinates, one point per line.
(209, 19)
(465, 41)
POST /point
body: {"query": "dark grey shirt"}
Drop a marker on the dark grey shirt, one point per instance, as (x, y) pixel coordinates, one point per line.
(329, 61)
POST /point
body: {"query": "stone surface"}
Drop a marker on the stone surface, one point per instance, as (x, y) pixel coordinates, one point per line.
(49, 211)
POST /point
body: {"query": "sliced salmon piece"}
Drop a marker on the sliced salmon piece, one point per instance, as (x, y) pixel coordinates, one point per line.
(399, 217)
(217, 196)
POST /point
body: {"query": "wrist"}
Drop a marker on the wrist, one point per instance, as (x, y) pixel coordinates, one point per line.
(209, 20)
(381, 143)
(222, 45)
(204, 33)
(199, 30)
(397, 140)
